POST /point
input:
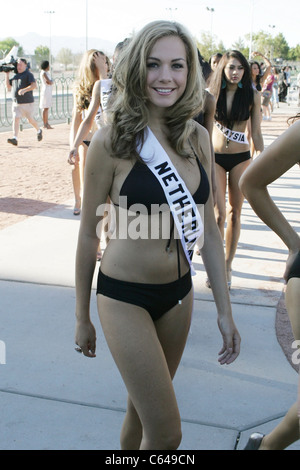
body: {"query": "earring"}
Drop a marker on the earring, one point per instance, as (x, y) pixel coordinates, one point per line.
(240, 85)
(223, 83)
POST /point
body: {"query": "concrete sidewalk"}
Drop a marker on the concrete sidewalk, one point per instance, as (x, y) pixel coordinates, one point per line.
(53, 398)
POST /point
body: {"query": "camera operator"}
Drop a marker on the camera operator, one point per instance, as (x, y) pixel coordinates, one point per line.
(23, 84)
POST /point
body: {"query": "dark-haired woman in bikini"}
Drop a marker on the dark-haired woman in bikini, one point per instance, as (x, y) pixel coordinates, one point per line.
(237, 102)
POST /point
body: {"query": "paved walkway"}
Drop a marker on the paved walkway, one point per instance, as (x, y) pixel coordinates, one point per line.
(53, 398)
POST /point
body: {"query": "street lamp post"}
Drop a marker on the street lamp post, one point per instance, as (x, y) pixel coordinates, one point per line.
(251, 29)
(50, 35)
(272, 26)
(211, 26)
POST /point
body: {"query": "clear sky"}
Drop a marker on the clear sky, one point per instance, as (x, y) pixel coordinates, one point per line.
(114, 20)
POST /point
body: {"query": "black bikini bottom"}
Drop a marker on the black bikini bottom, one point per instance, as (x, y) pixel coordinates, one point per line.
(295, 269)
(157, 299)
(230, 160)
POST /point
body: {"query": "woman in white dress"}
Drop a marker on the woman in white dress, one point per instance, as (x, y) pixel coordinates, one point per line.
(46, 92)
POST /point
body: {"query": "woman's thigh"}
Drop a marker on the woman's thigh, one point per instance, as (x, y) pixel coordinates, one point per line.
(292, 298)
(221, 181)
(172, 330)
(144, 353)
(235, 195)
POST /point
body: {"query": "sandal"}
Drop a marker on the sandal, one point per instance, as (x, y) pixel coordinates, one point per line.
(76, 211)
(229, 279)
(77, 207)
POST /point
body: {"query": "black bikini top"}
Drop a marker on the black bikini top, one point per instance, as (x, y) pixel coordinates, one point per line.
(142, 187)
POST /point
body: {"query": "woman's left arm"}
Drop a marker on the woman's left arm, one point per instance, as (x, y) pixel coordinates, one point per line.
(209, 114)
(213, 257)
(214, 261)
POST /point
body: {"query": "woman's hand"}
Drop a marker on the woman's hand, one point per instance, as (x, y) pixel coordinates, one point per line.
(257, 54)
(231, 341)
(73, 158)
(85, 338)
(100, 62)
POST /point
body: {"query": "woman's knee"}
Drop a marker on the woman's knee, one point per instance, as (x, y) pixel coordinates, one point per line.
(220, 219)
(168, 439)
(132, 431)
(161, 435)
(233, 215)
(220, 214)
(174, 440)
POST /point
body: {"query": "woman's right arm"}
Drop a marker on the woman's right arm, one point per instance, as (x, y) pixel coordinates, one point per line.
(75, 123)
(47, 80)
(98, 178)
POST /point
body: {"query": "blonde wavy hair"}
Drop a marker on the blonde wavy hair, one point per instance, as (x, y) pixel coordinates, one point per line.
(129, 112)
(87, 75)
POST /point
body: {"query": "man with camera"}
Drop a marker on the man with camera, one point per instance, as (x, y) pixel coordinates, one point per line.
(22, 84)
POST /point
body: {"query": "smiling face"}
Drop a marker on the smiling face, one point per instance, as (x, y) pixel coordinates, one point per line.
(167, 72)
(234, 71)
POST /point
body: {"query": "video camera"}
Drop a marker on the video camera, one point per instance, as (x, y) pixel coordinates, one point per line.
(9, 63)
(11, 66)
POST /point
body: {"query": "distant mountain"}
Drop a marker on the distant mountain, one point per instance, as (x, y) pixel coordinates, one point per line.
(77, 45)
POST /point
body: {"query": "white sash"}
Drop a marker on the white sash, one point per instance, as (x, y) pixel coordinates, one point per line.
(234, 136)
(105, 91)
(184, 210)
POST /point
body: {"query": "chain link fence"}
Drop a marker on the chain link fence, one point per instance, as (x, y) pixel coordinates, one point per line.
(62, 103)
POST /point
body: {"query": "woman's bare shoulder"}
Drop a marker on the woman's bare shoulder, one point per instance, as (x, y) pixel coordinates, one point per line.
(210, 100)
(201, 142)
(199, 132)
(103, 136)
(100, 148)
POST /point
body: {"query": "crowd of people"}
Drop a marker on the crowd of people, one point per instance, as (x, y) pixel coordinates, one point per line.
(159, 127)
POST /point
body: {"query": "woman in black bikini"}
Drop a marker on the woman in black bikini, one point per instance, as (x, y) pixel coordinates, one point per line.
(145, 295)
(275, 161)
(237, 102)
